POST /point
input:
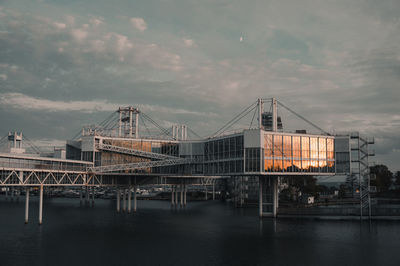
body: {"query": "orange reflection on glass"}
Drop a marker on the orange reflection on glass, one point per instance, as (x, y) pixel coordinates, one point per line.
(330, 148)
(314, 148)
(296, 147)
(278, 165)
(305, 147)
(305, 164)
(297, 164)
(278, 146)
(268, 165)
(268, 146)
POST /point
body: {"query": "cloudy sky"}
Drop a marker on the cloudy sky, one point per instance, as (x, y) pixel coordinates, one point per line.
(64, 64)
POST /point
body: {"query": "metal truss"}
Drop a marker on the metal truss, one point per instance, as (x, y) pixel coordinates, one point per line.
(32, 177)
(139, 165)
(134, 152)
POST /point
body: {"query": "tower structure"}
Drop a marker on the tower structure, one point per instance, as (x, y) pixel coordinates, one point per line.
(126, 119)
(15, 142)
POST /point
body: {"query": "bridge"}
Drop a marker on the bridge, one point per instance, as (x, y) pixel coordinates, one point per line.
(117, 153)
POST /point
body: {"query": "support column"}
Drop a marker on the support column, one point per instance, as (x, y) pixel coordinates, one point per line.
(277, 192)
(172, 196)
(176, 195)
(206, 192)
(41, 205)
(181, 187)
(259, 105)
(184, 195)
(134, 199)
(27, 205)
(118, 199)
(93, 196)
(124, 200)
(81, 196)
(275, 195)
(260, 196)
(137, 124)
(213, 192)
(87, 195)
(129, 199)
(6, 193)
(274, 115)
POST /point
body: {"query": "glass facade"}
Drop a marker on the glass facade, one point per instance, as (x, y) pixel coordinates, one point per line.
(294, 153)
(224, 156)
(279, 153)
(10, 161)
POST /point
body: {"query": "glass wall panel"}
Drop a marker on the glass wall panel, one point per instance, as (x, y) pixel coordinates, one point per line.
(305, 154)
(322, 155)
(239, 147)
(268, 146)
(278, 153)
(268, 165)
(287, 153)
(220, 149)
(253, 160)
(268, 153)
(232, 148)
(314, 148)
(330, 149)
(296, 165)
(278, 164)
(277, 146)
(226, 148)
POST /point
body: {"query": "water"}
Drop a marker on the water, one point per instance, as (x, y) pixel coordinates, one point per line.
(205, 233)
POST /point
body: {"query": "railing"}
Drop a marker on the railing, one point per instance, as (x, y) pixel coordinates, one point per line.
(139, 153)
(139, 165)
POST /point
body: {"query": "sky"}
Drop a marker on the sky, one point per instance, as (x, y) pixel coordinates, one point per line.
(65, 64)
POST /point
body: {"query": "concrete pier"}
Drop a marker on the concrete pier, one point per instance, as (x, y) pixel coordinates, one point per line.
(260, 196)
(213, 192)
(93, 194)
(129, 199)
(81, 196)
(118, 199)
(87, 195)
(124, 200)
(268, 185)
(181, 187)
(41, 205)
(134, 198)
(176, 196)
(172, 196)
(184, 195)
(27, 205)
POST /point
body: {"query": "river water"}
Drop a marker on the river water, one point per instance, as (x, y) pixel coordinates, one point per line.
(204, 233)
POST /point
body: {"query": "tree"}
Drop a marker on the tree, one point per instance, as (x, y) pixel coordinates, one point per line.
(397, 176)
(342, 191)
(383, 177)
(306, 184)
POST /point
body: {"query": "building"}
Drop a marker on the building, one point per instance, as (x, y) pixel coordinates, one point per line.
(262, 152)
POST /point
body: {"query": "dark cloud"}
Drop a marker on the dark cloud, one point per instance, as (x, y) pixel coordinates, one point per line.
(337, 64)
